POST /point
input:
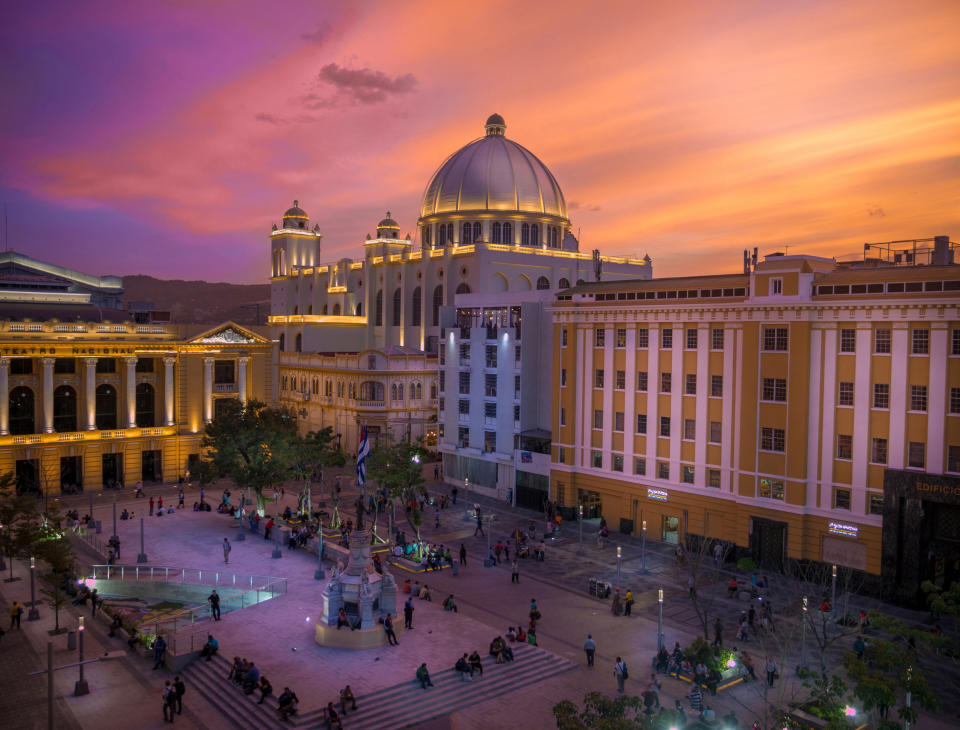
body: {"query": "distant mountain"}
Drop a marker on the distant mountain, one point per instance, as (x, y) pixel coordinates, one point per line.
(201, 301)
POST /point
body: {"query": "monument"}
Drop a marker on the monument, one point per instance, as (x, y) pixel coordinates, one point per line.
(365, 595)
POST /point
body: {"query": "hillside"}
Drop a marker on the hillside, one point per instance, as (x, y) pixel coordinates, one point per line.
(201, 301)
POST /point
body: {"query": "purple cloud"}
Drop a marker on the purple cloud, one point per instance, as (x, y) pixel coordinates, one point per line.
(366, 86)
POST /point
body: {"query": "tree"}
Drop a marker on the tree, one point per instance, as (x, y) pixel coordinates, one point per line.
(395, 466)
(18, 515)
(622, 712)
(313, 453)
(696, 565)
(255, 446)
(55, 550)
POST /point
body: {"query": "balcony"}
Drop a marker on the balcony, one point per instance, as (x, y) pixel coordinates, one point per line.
(67, 436)
(464, 418)
(224, 387)
(371, 404)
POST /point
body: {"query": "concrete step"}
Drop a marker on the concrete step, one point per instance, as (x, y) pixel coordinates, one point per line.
(403, 705)
(210, 681)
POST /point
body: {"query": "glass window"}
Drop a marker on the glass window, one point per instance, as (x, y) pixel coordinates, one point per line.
(639, 466)
(223, 372)
(955, 400)
(563, 337)
(666, 338)
(596, 459)
(918, 398)
(716, 432)
(691, 384)
(621, 381)
(597, 418)
(848, 340)
(663, 470)
(771, 489)
(490, 409)
(916, 455)
(563, 416)
(691, 338)
(689, 429)
(618, 421)
(666, 382)
(875, 506)
(844, 446)
(490, 384)
(775, 389)
(772, 439)
(465, 382)
(775, 339)
(621, 337)
(716, 337)
(642, 381)
(953, 459)
(841, 499)
(665, 426)
(881, 395)
(955, 342)
(598, 378)
(563, 377)
(878, 451)
(845, 394)
(24, 366)
(618, 462)
(713, 478)
(881, 341)
(599, 336)
(67, 366)
(106, 365)
(921, 342)
(687, 474)
(643, 337)
(716, 386)
(641, 423)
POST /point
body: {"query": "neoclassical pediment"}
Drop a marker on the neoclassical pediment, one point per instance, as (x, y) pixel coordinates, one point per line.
(229, 333)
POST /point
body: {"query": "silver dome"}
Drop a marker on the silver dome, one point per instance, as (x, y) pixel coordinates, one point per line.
(493, 173)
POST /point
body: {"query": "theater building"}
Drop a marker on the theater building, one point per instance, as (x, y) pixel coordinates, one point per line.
(802, 410)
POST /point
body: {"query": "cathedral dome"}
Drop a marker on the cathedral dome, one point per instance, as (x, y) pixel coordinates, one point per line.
(493, 174)
(296, 211)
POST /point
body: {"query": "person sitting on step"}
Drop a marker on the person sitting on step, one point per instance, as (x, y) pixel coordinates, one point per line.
(287, 703)
(463, 667)
(330, 717)
(476, 664)
(347, 698)
(449, 605)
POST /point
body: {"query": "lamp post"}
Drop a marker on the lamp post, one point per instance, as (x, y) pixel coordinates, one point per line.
(643, 549)
(659, 619)
(833, 598)
(33, 614)
(580, 523)
(319, 574)
(906, 723)
(619, 558)
(466, 499)
(114, 535)
(80, 688)
(803, 638)
(142, 557)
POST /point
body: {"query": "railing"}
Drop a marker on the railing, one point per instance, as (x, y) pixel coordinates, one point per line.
(59, 437)
(225, 387)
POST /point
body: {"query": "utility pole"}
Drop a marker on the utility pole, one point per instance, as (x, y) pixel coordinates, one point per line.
(142, 557)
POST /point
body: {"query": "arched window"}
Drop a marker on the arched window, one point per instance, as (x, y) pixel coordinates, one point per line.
(579, 282)
(400, 392)
(324, 310)
(359, 309)
(328, 388)
(543, 283)
(463, 288)
(534, 234)
(525, 234)
(21, 411)
(416, 307)
(393, 392)
(426, 236)
(495, 233)
(437, 303)
(466, 233)
(508, 233)
(336, 309)
(397, 302)
(477, 231)
(433, 390)
(283, 340)
(298, 343)
(379, 309)
(145, 402)
(564, 283)
(418, 395)
(315, 386)
(371, 390)
(64, 409)
(105, 409)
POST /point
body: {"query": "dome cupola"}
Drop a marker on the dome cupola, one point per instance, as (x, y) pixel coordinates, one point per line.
(295, 217)
(495, 125)
(388, 228)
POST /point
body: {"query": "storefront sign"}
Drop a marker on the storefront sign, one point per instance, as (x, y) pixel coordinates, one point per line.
(840, 528)
(919, 485)
(658, 495)
(526, 457)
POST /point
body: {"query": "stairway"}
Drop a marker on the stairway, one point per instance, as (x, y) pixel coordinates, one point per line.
(406, 704)
(209, 680)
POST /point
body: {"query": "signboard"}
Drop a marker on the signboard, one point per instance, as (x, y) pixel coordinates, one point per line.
(526, 457)
(658, 495)
(841, 528)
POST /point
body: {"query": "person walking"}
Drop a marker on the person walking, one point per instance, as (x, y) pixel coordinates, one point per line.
(590, 647)
(388, 630)
(180, 689)
(436, 520)
(628, 603)
(479, 524)
(771, 670)
(139, 490)
(436, 472)
(226, 550)
(159, 653)
(214, 600)
(463, 555)
(515, 572)
(16, 611)
(167, 699)
(408, 614)
(620, 671)
(151, 507)
(180, 495)
(718, 633)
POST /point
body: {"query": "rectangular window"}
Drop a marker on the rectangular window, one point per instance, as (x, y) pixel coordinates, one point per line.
(845, 394)
(491, 356)
(464, 354)
(490, 409)
(881, 395)
(596, 458)
(621, 337)
(953, 459)
(618, 421)
(716, 339)
(775, 389)
(770, 489)
(848, 340)
(772, 439)
(921, 342)
(841, 499)
(642, 381)
(716, 432)
(916, 455)
(563, 416)
(665, 426)
(955, 400)
(621, 382)
(643, 338)
(641, 423)
(666, 338)
(563, 377)
(775, 339)
(67, 365)
(516, 414)
(666, 382)
(563, 337)
(878, 451)
(881, 342)
(597, 419)
(516, 385)
(463, 437)
(692, 338)
(955, 342)
(690, 386)
(598, 378)
(713, 478)
(618, 462)
(464, 406)
(663, 470)
(689, 429)
(918, 398)
(716, 386)
(875, 504)
(465, 382)
(599, 336)
(490, 385)
(24, 366)
(776, 287)
(639, 466)
(561, 455)
(516, 354)
(104, 365)
(844, 446)
(443, 380)
(441, 404)
(687, 475)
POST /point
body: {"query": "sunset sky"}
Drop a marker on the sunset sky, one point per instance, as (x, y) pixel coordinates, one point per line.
(165, 138)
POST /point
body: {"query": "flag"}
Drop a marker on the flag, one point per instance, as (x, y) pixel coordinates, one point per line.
(362, 454)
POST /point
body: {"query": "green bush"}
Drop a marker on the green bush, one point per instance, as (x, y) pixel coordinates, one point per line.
(746, 564)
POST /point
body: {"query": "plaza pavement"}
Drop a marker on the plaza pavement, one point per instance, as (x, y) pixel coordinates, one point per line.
(278, 634)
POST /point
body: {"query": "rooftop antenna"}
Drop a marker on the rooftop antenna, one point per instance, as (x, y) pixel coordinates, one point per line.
(597, 264)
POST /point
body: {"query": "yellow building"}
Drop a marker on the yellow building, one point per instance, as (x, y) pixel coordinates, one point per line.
(802, 410)
(94, 399)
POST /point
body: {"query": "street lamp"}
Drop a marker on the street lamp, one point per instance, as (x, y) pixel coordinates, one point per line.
(619, 558)
(660, 619)
(34, 614)
(142, 557)
(803, 638)
(643, 549)
(319, 574)
(80, 688)
(466, 498)
(833, 598)
(906, 723)
(580, 523)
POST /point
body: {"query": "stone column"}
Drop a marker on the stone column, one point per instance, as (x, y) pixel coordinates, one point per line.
(91, 391)
(207, 389)
(47, 363)
(4, 396)
(131, 363)
(242, 379)
(168, 390)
